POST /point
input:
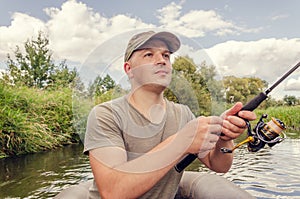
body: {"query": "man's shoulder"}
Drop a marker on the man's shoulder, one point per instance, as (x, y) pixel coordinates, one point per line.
(175, 105)
(177, 108)
(120, 101)
(112, 110)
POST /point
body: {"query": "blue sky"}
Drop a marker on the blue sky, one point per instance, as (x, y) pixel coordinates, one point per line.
(242, 38)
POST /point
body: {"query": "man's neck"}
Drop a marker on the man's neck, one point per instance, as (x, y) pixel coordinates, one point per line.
(150, 104)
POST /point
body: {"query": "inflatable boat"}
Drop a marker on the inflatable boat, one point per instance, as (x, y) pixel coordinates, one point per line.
(193, 185)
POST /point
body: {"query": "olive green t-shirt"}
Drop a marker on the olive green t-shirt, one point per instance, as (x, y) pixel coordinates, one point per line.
(117, 123)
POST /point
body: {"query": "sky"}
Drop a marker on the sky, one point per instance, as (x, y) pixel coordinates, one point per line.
(257, 38)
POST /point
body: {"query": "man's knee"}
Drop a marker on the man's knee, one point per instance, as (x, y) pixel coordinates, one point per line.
(197, 185)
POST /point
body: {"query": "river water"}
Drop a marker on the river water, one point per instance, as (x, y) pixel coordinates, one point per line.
(269, 173)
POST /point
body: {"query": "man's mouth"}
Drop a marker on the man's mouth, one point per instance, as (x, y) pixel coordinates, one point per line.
(162, 72)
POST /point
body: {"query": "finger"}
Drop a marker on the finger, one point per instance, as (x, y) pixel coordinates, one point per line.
(237, 121)
(231, 130)
(233, 127)
(215, 129)
(249, 115)
(213, 138)
(233, 110)
(217, 133)
(214, 120)
(226, 138)
(229, 135)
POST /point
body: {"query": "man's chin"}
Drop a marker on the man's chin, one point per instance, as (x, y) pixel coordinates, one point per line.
(156, 87)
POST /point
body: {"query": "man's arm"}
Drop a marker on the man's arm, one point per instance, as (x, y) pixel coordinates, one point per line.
(117, 178)
(233, 126)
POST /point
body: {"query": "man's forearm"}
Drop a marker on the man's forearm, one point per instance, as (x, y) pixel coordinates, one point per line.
(218, 161)
(119, 184)
(133, 178)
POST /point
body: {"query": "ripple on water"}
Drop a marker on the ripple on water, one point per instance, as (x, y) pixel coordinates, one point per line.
(269, 173)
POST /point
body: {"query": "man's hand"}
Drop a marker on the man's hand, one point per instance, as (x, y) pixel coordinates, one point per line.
(201, 134)
(234, 121)
(233, 125)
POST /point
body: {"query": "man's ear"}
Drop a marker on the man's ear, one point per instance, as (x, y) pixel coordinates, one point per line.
(127, 69)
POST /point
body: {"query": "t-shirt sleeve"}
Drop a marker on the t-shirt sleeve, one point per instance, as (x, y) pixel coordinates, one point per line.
(189, 114)
(102, 129)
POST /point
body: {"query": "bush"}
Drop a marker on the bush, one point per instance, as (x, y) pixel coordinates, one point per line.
(33, 120)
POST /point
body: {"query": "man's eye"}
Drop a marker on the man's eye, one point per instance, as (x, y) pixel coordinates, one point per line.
(167, 55)
(148, 54)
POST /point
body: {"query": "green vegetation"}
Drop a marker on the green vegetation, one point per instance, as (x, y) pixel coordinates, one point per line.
(36, 68)
(288, 114)
(33, 120)
(45, 105)
(36, 101)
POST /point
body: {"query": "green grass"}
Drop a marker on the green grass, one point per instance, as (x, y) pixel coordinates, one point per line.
(33, 120)
(290, 115)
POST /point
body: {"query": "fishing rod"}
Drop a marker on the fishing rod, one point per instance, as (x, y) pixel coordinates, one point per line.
(262, 133)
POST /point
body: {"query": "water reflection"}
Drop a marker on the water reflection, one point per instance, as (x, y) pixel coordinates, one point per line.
(270, 173)
(43, 175)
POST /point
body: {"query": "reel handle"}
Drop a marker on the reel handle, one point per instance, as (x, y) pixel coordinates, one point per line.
(250, 106)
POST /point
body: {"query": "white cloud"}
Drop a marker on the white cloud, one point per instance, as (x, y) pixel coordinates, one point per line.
(197, 23)
(22, 28)
(75, 34)
(293, 85)
(266, 58)
(169, 13)
(74, 30)
(278, 17)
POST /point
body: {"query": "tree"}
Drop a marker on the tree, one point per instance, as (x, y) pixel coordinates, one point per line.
(242, 89)
(62, 76)
(215, 87)
(290, 100)
(101, 85)
(36, 68)
(193, 85)
(113, 93)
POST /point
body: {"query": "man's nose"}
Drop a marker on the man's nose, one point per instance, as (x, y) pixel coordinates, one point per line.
(160, 59)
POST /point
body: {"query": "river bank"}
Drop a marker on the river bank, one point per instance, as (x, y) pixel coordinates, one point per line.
(35, 120)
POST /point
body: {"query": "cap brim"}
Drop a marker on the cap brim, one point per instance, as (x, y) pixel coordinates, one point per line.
(170, 39)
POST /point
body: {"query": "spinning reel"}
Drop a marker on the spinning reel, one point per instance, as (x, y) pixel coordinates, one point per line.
(270, 133)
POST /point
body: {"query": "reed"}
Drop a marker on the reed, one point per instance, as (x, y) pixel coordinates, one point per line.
(33, 120)
(290, 115)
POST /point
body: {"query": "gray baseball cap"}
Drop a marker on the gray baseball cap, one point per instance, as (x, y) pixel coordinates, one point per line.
(138, 40)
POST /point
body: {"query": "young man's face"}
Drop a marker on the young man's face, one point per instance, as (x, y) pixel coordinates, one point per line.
(150, 67)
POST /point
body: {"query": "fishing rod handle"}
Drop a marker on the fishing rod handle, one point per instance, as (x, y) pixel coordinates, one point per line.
(185, 162)
(255, 102)
(250, 106)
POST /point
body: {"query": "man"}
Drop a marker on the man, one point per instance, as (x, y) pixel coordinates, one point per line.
(135, 141)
